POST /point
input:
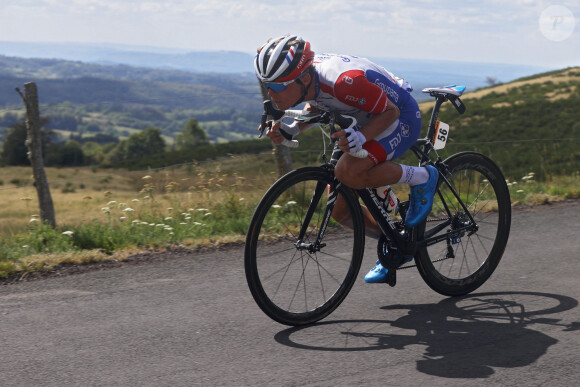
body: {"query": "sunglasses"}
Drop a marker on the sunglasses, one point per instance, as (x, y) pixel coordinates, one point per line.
(277, 86)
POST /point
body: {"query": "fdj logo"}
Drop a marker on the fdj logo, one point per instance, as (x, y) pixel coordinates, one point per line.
(395, 141)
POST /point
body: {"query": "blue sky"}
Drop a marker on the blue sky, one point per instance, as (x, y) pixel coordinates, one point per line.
(499, 31)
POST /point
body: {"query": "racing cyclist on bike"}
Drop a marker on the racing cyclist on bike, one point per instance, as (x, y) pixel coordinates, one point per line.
(388, 121)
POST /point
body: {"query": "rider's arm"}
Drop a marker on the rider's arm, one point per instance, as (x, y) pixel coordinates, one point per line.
(379, 122)
(355, 90)
(276, 137)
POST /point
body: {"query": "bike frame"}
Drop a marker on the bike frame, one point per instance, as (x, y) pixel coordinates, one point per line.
(402, 242)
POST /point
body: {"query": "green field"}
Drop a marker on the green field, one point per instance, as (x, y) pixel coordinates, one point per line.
(530, 128)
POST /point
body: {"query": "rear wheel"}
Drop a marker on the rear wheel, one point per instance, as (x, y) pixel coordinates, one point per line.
(464, 245)
(295, 276)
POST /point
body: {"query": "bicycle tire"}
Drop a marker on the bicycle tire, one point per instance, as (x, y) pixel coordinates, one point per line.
(483, 189)
(292, 285)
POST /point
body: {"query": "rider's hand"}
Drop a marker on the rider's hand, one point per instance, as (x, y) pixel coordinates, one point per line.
(351, 140)
(280, 131)
(274, 135)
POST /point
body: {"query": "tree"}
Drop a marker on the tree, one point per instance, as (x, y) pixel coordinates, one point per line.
(69, 154)
(191, 136)
(93, 152)
(139, 145)
(15, 151)
(491, 81)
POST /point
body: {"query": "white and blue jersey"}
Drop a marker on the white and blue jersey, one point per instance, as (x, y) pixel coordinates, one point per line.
(360, 88)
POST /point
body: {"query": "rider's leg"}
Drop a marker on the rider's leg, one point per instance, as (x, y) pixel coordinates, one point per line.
(342, 215)
(361, 173)
(379, 170)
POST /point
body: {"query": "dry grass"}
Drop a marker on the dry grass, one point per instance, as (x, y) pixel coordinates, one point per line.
(563, 79)
(80, 194)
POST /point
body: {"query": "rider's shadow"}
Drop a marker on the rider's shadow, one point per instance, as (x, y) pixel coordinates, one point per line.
(464, 337)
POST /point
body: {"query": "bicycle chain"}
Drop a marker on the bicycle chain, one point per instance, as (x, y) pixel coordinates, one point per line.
(411, 266)
(437, 219)
(438, 260)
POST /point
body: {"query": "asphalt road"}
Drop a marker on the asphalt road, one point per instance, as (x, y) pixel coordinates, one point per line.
(190, 320)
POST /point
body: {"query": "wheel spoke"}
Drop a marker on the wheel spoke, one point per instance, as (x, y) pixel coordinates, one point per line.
(478, 183)
(302, 280)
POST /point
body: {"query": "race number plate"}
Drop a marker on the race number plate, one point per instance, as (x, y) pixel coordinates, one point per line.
(441, 135)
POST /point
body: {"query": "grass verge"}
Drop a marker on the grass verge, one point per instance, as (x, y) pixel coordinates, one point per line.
(124, 229)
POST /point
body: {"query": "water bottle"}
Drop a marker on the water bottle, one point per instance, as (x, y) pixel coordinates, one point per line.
(387, 197)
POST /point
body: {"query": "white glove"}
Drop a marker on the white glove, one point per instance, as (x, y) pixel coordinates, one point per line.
(289, 131)
(355, 139)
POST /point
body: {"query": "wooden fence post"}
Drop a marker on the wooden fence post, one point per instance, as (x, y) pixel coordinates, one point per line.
(34, 145)
(281, 153)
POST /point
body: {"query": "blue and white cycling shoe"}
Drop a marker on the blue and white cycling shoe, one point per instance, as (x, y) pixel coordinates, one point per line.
(422, 198)
(378, 274)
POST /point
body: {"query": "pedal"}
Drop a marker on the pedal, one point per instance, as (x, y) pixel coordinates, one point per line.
(392, 277)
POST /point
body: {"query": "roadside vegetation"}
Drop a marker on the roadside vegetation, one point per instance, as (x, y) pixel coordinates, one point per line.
(529, 127)
(112, 214)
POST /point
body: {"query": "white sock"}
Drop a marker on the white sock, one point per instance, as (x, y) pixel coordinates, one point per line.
(414, 175)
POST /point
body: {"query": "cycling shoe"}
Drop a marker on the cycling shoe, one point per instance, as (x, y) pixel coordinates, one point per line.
(422, 199)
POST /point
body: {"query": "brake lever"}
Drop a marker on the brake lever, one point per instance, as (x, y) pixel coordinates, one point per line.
(269, 110)
(263, 124)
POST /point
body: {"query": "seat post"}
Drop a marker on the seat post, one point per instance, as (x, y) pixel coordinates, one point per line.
(434, 115)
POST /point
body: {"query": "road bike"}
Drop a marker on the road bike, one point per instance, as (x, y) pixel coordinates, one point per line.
(303, 254)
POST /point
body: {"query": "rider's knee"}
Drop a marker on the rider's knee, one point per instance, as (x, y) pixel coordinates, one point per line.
(348, 176)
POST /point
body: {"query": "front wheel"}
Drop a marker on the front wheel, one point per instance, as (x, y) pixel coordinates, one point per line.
(464, 244)
(301, 263)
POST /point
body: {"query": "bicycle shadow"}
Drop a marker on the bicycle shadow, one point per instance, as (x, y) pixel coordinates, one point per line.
(464, 337)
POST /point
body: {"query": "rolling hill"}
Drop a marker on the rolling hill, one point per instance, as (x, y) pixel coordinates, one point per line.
(529, 124)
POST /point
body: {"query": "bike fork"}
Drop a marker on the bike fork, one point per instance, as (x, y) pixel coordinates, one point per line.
(317, 195)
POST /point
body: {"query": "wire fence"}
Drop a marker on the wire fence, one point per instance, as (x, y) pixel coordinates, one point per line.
(45, 107)
(268, 154)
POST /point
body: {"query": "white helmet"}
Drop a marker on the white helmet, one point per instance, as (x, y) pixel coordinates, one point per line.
(283, 59)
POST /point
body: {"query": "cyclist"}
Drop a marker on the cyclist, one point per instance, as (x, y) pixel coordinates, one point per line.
(388, 121)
